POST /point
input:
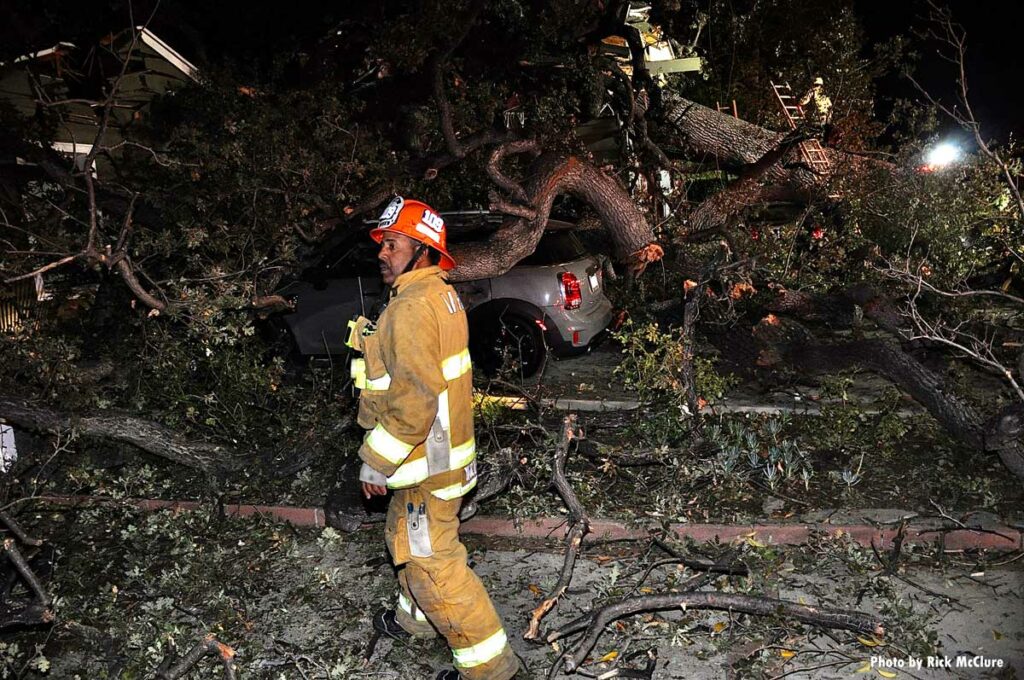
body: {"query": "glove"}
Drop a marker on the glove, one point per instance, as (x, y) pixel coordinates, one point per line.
(359, 328)
(370, 476)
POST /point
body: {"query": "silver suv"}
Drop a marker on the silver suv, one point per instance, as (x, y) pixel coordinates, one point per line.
(553, 300)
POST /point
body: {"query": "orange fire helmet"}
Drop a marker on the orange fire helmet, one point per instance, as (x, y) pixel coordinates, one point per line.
(418, 221)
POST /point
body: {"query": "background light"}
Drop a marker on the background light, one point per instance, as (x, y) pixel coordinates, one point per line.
(942, 154)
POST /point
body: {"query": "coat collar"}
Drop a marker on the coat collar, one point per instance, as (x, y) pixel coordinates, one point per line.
(416, 275)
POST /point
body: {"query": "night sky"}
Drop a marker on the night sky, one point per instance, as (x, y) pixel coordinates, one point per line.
(993, 26)
(994, 59)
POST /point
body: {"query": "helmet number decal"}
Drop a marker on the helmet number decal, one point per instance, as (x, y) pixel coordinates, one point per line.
(433, 220)
(431, 225)
(390, 214)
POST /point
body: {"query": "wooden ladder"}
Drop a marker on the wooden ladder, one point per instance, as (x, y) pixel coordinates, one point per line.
(791, 110)
(810, 150)
(814, 155)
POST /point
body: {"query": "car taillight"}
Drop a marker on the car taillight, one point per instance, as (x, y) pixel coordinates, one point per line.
(571, 288)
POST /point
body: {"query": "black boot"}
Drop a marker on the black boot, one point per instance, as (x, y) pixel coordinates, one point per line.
(385, 622)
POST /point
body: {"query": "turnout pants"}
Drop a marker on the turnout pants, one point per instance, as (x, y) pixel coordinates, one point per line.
(439, 592)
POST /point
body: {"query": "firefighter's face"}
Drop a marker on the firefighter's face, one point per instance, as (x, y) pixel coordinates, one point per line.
(395, 252)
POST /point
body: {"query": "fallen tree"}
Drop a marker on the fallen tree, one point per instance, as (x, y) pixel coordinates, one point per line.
(221, 226)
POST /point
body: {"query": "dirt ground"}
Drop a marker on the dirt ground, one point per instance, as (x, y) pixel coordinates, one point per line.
(987, 620)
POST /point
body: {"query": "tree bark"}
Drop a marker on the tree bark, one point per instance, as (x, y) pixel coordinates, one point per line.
(747, 190)
(1004, 434)
(840, 309)
(144, 434)
(734, 142)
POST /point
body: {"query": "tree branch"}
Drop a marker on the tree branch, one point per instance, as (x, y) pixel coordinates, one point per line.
(498, 177)
(127, 272)
(580, 526)
(143, 434)
(35, 612)
(208, 646)
(438, 62)
(550, 176)
(758, 606)
(45, 268)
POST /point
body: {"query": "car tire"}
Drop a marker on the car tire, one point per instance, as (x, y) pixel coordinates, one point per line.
(510, 346)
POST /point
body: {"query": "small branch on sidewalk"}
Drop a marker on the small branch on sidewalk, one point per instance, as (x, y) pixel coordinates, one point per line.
(580, 526)
(371, 647)
(208, 646)
(722, 566)
(857, 622)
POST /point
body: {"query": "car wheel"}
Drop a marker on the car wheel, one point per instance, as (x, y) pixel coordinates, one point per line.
(509, 347)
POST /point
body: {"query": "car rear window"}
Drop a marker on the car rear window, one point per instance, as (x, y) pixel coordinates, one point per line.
(358, 258)
(555, 248)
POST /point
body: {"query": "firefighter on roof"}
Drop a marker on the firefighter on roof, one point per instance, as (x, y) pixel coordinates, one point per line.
(416, 403)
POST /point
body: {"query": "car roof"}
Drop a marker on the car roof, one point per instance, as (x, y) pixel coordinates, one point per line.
(466, 226)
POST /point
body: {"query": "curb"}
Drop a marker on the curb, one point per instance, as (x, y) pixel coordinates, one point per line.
(998, 537)
(560, 404)
(949, 538)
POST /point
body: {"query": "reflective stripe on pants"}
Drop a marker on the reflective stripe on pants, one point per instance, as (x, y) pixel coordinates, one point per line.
(481, 652)
(406, 605)
(411, 618)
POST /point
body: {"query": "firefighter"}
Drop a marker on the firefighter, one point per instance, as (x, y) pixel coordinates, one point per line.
(822, 104)
(416, 403)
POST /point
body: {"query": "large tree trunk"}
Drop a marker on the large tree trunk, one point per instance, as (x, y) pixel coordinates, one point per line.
(144, 434)
(734, 142)
(746, 148)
